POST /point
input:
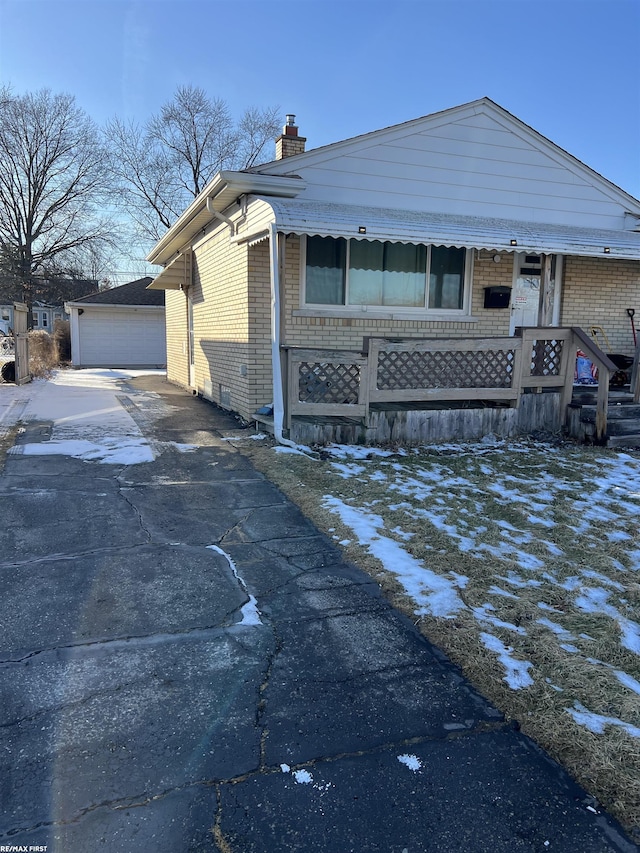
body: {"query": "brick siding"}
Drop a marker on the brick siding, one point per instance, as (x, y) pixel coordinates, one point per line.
(232, 314)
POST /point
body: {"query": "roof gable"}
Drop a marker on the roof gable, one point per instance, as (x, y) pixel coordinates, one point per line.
(475, 159)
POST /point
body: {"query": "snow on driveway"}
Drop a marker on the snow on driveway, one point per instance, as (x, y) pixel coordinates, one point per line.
(87, 410)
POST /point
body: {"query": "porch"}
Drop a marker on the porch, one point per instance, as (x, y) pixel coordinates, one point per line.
(411, 391)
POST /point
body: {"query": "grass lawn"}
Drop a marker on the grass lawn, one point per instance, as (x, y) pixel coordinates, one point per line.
(522, 561)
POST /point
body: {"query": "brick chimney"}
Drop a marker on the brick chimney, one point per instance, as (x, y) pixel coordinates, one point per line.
(289, 143)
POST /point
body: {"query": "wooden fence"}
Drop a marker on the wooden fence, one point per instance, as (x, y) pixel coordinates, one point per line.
(346, 383)
(20, 315)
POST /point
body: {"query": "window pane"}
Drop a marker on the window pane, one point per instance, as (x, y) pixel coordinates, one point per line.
(365, 272)
(446, 277)
(325, 271)
(386, 274)
(404, 275)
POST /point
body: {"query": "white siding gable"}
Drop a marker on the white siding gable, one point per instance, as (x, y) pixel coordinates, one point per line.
(475, 160)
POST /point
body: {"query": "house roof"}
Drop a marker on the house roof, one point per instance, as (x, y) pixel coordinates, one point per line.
(446, 202)
(402, 226)
(482, 106)
(135, 293)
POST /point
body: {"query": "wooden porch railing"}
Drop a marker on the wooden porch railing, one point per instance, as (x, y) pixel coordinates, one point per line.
(345, 383)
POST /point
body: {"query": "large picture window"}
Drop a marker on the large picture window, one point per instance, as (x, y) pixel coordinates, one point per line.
(342, 272)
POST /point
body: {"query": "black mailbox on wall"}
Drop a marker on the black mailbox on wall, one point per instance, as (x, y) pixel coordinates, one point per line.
(497, 296)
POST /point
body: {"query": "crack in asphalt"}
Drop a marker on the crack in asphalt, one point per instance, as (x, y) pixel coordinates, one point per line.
(221, 843)
(138, 514)
(143, 799)
(77, 555)
(203, 632)
(65, 706)
(261, 708)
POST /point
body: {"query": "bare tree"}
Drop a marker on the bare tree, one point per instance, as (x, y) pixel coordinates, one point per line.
(53, 183)
(162, 165)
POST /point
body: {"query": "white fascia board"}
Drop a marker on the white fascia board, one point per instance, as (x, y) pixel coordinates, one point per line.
(223, 190)
(95, 306)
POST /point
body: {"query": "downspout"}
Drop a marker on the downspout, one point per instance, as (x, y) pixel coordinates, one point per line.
(276, 364)
(220, 216)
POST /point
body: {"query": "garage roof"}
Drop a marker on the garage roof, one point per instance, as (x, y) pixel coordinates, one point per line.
(134, 293)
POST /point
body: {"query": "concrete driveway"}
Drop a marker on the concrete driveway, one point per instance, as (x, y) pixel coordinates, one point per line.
(186, 664)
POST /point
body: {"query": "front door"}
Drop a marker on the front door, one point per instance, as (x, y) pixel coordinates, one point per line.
(525, 296)
(537, 287)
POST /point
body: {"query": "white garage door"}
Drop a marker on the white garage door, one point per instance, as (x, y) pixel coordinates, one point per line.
(122, 339)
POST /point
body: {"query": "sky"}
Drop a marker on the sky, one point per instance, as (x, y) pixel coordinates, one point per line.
(567, 68)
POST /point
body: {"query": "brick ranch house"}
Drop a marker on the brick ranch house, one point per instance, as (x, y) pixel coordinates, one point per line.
(432, 279)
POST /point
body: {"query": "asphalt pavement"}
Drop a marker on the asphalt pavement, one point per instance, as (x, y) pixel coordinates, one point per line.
(187, 664)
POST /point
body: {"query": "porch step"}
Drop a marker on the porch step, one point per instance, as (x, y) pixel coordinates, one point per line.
(614, 413)
(587, 395)
(624, 441)
(623, 424)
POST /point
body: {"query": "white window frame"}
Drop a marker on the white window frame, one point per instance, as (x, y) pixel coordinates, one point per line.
(386, 311)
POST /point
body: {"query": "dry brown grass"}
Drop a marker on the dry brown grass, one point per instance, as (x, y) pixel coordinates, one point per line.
(43, 354)
(62, 338)
(560, 507)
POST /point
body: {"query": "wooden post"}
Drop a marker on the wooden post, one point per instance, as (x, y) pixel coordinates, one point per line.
(602, 405)
(546, 292)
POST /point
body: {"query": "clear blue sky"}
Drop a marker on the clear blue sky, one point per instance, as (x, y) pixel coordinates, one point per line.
(568, 68)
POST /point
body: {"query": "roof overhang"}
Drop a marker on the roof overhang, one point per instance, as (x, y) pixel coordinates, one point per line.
(221, 192)
(402, 226)
(176, 275)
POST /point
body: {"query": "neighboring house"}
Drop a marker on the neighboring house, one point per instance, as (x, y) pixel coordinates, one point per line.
(120, 327)
(390, 271)
(48, 303)
(6, 319)
(45, 316)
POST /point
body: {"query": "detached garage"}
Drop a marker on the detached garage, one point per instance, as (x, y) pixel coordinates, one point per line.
(120, 327)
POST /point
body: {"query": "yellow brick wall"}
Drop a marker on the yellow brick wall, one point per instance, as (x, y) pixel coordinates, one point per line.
(220, 320)
(598, 292)
(176, 323)
(232, 314)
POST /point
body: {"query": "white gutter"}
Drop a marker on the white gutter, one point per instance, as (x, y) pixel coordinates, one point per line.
(222, 190)
(276, 364)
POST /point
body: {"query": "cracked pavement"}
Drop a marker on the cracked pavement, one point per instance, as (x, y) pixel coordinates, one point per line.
(140, 710)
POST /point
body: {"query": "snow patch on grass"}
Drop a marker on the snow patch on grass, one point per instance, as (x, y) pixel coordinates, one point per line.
(596, 722)
(517, 675)
(433, 593)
